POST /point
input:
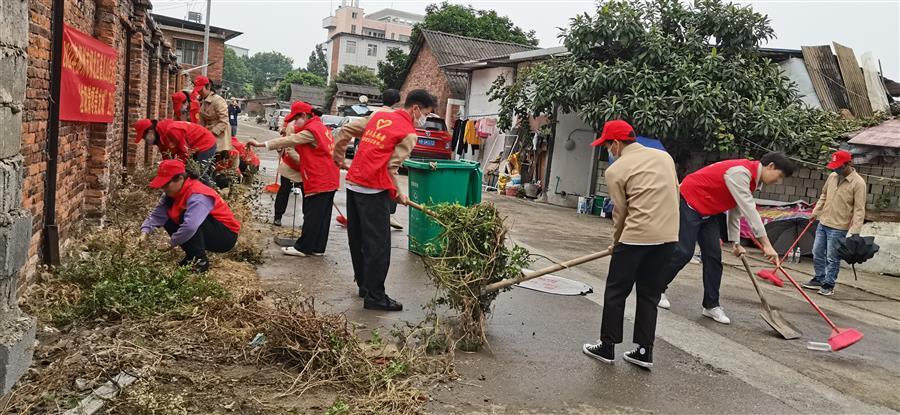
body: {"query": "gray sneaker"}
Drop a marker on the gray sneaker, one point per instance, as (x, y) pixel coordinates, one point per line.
(826, 291)
(813, 284)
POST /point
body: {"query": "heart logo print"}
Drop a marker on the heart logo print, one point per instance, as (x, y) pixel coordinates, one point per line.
(383, 123)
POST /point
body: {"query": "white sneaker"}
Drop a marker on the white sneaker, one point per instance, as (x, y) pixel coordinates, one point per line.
(290, 251)
(395, 224)
(664, 302)
(717, 314)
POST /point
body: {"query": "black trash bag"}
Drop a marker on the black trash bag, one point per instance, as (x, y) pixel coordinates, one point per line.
(856, 250)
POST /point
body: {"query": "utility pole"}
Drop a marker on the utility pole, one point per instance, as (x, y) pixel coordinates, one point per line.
(206, 38)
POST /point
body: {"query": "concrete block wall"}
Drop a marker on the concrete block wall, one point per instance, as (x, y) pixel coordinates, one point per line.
(16, 329)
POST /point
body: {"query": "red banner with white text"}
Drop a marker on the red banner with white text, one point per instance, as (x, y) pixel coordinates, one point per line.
(88, 88)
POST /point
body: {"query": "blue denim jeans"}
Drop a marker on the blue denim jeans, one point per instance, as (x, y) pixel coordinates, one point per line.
(825, 257)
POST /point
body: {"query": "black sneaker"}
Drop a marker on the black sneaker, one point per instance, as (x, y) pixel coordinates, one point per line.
(642, 356)
(600, 351)
(813, 284)
(388, 304)
(201, 266)
(277, 222)
(826, 291)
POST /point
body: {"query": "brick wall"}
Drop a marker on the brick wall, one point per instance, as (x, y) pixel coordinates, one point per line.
(89, 153)
(425, 74)
(882, 199)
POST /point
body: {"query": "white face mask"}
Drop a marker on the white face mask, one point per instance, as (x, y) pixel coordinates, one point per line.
(421, 121)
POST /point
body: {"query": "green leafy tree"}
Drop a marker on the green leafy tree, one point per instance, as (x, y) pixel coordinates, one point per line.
(689, 75)
(266, 68)
(235, 74)
(317, 63)
(298, 77)
(391, 69)
(468, 21)
(353, 75)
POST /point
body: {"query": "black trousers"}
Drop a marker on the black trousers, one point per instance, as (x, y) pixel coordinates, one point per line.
(369, 234)
(640, 266)
(211, 236)
(316, 223)
(283, 195)
(706, 231)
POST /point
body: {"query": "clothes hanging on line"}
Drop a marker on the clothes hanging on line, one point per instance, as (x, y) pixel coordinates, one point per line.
(486, 127)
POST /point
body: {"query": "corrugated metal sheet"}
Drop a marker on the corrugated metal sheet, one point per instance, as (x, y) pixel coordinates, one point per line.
(877, 94)
(826, 78)
(449, 49)
(853, 81)
(458, 83)
(312, 95)
(886, 134)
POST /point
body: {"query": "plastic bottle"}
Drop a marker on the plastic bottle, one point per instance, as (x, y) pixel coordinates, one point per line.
(797, 255)
(790, 258)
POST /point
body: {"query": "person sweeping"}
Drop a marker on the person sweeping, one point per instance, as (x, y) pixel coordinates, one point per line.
(194, 215)
(321, 178)
(386, 140)
(841, 210)
(643, 185)
(389, 99)
(706, 196)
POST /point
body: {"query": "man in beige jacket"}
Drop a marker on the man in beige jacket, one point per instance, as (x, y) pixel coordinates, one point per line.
(643, 186)
(213, 113)
(841, 210)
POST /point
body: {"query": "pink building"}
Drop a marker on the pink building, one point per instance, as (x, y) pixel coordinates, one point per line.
(357, 38)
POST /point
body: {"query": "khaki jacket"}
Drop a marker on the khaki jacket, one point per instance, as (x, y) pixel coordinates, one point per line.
(214, 116)
(643, 186)
(842, 204)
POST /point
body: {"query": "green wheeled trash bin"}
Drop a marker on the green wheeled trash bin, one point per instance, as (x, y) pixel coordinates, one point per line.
(433, 182)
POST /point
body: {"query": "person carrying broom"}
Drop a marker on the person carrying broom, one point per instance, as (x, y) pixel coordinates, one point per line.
(841, 210)
(643, 185)
(321, 178)
(386, 140)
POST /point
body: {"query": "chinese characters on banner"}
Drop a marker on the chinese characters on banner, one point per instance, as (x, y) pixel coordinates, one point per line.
(88, 85)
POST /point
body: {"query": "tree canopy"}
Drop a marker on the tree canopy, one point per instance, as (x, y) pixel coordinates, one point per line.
(354, 75)
(469, 21)
(390, 70)
(689, 75)
(298, 77)
(458, 20)
(266, 68)
(235, 74)
(317, 63)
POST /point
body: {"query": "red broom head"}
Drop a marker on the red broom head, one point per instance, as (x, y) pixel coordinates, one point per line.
(769, 275)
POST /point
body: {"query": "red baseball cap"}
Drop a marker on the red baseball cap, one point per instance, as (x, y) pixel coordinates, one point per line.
(200, 82)
(167, 170)
(178, 98)
(839, 158)
(140, 128)
(615, 130)
(297, 108)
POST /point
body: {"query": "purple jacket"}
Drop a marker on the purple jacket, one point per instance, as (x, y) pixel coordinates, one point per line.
(198, 208)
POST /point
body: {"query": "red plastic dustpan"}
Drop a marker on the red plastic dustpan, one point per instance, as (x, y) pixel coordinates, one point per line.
(840, 338)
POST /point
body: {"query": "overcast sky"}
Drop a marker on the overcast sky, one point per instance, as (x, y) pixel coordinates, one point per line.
(294, 27)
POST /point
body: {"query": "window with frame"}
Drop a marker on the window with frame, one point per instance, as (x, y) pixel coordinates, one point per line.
(353, 15)
(353, 29)
(188, 51)
(351, 47)
(373, 50)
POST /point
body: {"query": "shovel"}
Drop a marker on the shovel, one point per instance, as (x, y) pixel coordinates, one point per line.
(772, 317)
(840, 338)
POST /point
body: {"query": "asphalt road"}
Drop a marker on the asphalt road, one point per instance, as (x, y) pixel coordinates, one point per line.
(535, 364)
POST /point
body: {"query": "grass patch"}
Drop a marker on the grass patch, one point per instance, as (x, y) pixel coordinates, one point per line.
(115, 285)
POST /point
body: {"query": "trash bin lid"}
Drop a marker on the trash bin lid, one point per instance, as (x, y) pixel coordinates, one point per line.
(441, 164)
